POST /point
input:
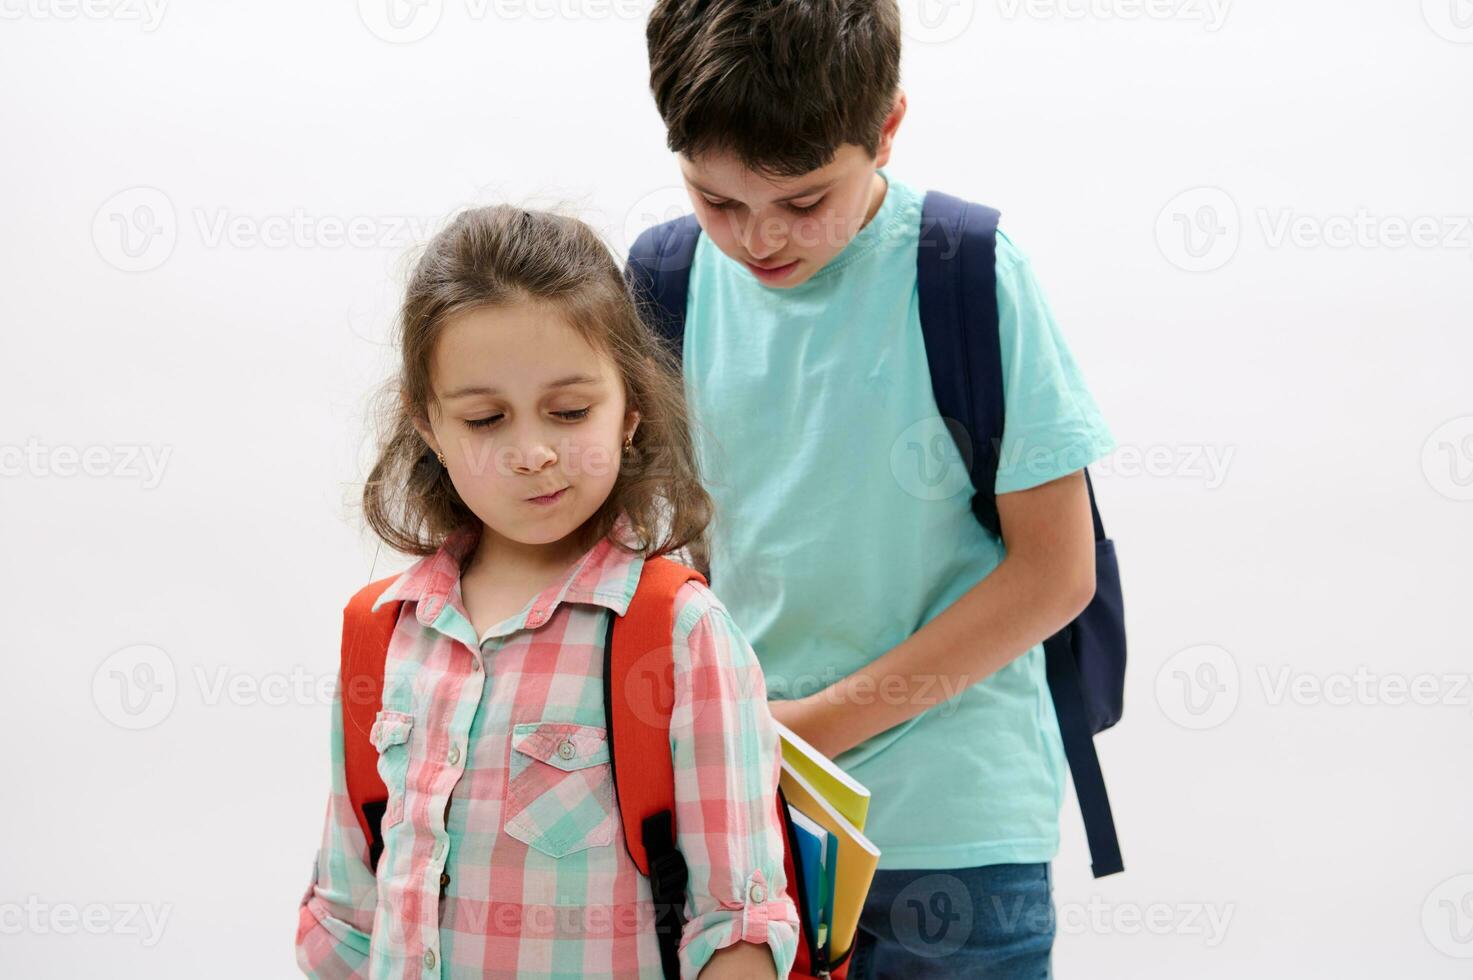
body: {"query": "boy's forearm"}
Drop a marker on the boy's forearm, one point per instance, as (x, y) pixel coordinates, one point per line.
(1045, 580)
(994, 623)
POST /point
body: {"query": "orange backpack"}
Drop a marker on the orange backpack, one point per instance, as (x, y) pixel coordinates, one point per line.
(637, 662)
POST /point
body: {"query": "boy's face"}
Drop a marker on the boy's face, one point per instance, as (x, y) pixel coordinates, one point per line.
(785, 230)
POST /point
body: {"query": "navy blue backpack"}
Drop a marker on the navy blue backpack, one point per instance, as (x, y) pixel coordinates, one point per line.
(957, 281)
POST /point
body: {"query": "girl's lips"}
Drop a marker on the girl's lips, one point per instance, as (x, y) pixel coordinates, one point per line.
(550, 498)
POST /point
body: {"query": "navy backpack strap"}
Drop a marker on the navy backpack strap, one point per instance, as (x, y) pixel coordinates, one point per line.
(658, 274)
(956, 267)
(1067, 689)
(956, 272)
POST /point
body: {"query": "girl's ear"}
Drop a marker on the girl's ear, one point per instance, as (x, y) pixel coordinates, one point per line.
(425, 433)
(631, 423)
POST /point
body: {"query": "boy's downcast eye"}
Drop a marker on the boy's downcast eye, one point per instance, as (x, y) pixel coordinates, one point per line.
(729, 205)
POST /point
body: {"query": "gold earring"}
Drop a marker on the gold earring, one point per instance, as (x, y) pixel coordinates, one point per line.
(440, 456)
(628, 445)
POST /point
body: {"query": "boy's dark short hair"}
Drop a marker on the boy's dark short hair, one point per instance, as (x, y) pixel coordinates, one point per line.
(781, 84)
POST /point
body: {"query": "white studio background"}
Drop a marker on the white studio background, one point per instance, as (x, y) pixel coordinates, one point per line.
(1252, 219)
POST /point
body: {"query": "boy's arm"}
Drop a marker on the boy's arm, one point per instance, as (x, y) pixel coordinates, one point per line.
(1044, 582)
(335, 920)
(1053, 429)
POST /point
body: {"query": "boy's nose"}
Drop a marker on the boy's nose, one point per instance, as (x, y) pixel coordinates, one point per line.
(759, 245)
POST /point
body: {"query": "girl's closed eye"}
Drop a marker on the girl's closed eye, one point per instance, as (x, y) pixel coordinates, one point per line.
(572, 415)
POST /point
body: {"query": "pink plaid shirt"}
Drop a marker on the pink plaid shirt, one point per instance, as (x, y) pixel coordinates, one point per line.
(504, 852)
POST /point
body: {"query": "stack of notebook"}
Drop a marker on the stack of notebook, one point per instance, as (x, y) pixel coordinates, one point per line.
(836, 861)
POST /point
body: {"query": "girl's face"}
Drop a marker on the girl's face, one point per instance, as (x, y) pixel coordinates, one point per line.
(525, 408)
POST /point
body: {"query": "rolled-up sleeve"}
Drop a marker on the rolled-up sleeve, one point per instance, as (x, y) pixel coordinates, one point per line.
(335, 919)
(726, 754)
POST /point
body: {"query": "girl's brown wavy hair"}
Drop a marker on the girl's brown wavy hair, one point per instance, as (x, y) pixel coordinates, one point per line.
(495, 256)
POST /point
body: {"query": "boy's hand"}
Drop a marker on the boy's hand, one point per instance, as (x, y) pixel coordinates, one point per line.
(740, 961)
(800, 716)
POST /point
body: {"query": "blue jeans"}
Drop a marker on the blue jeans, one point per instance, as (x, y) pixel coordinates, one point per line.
(994, 922)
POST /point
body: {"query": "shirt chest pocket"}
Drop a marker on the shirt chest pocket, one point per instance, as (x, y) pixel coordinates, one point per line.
(390, 737)
(560, 787)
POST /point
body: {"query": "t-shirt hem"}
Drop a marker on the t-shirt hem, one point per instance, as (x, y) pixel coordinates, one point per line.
(933, 858)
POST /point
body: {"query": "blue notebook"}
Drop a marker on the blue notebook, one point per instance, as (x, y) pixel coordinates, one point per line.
(818, 850)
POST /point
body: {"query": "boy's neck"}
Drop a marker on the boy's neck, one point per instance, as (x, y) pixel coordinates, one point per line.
(879, 186)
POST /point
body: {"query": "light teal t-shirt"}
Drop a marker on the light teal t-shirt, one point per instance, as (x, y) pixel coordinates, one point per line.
(844, 522)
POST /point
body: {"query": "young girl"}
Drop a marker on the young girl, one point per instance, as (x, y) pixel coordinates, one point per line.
(537, 454)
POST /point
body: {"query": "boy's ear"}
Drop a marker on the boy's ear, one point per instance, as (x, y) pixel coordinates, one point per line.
(891, 126)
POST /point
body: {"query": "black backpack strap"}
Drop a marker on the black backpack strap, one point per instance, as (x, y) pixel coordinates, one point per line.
(956, 273)
(658, 275)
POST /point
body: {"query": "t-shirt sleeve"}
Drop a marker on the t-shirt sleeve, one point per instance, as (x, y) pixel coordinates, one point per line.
(1053, 426)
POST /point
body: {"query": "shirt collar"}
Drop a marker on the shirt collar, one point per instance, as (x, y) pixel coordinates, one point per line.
(604, 575)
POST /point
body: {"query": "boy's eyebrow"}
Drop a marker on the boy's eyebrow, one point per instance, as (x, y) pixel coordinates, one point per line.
(572, 379)
(782, 200)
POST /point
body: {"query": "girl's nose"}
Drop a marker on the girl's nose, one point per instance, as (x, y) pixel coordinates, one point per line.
(535, 458)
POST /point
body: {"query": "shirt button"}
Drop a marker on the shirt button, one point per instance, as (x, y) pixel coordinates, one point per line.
(757, 894)
(429, 959)
(566, 750)
(454, 755)
(444, 879)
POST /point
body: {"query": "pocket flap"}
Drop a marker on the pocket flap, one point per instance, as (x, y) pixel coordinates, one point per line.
(562, 744)
(390, 728)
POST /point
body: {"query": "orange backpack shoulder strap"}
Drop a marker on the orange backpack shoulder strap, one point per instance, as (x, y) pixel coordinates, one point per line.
(366, 636)
(639, 695)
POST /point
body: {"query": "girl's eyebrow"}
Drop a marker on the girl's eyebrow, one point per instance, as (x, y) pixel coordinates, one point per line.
(572, 379)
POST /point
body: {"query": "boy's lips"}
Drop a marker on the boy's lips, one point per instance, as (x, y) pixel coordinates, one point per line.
(772, 273)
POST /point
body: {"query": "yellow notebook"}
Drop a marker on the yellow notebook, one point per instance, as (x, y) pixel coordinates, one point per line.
(842, 791)
(858, 857)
